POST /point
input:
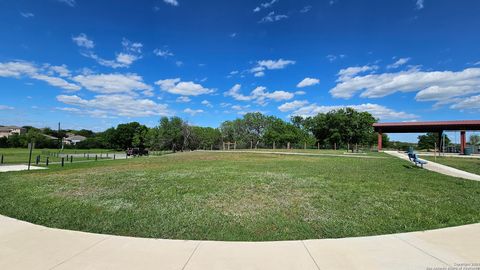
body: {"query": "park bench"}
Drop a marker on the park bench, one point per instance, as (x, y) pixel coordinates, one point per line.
(415, 159)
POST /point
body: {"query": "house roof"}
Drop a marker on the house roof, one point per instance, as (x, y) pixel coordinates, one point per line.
(76, 138)
(432, 126)
(9, 128)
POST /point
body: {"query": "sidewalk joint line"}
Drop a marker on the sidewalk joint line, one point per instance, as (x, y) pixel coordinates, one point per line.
(422, 250)
(80, 252)
(310, 254)
(191, 255)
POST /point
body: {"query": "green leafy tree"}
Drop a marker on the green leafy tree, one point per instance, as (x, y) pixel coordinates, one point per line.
(428, 140)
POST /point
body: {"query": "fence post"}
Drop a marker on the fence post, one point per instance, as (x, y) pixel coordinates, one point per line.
(113, 156)
(88, 156)
(1, 161)
(71, 159)
(46, 162)
(273, 145)
(305, 146)
(37, 160)
(63, 161)
(96, 157)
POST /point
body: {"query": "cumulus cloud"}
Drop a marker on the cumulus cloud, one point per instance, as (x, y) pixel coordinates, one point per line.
(171, 2)
(308, 82)
(83, 41)
(352, 71)
(419, 4)
(207, 103)
(258, 95)
(57, 82)
(272, 17)
(70, 3)
(183, 99)
(303, 108)
(265, 5)
(305, 9)
(115, 105)
(178, 87)
(332, 58)
(62, 70)
(131, 52)
(27, 15)
(442, 87)
(192, 112)
(5, 107)
(17, 69)
(294, 105)
(399, 62)
(471, 103)
(113, 83)
(259, 69)
(162, 53)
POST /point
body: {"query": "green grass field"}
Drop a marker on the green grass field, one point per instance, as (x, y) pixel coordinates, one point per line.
(240, 196)
(466, 164)
(20, 155)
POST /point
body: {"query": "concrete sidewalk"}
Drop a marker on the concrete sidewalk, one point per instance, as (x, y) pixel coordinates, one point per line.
(27, 246)
(439, 168)
(19, 167)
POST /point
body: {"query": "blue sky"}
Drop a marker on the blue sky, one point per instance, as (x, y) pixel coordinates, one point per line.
(94, 64)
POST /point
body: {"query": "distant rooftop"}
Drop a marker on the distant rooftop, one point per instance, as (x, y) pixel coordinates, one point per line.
(430, 126)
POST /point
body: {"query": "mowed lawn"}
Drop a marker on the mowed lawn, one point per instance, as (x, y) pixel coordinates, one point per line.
(21, 155)
(241, 196)
(471, 165)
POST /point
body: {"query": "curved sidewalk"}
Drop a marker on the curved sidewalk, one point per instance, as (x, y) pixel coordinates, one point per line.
(439, 168)
(27, 246)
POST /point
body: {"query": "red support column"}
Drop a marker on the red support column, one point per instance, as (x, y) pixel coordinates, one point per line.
(380, 141)
(463, 141)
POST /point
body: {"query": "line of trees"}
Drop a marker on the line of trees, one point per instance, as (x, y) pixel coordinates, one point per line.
(343, 128)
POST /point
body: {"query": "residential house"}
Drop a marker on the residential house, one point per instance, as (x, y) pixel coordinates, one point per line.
(6, 131)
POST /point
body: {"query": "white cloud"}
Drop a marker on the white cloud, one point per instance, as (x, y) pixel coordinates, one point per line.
(171, 2)
(71, 3)
(290, 106)
(27, 14)
(378, 111)
(419, 4)
(305, 9)
(178, 63)
(62, 70)
(83, 41)
(399, 62)
(18, 69)
(233, 35)
(163, 53)
(192, 112)
(308, 82)
(471, 103)
(57, 82)
(440, 86)
(272, 17)
(262, 65)
(115, 105)
(332, 57)
(131, 52)
(265, 5)
(176, 86)
(5, 107)
(183, 99)
(207, 103)
(352, 71)
(113, 83)
(299, 93)
(258, 95)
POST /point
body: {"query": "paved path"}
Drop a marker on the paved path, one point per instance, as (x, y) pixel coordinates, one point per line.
(15, 168)
(439, 168)
(290, 153)
(27, 246)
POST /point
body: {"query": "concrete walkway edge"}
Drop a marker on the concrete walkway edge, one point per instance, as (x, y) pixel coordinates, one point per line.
(439, 168)
(27, 246)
